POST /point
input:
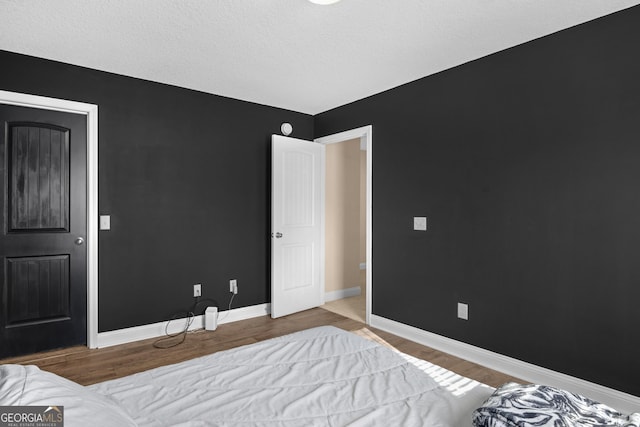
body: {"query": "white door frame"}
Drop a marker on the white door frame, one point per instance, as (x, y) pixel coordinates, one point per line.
(365, 134)
(91, 111)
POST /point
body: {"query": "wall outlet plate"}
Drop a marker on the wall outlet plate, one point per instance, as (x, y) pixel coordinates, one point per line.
(197, 290)
(420, 223)
(233, 286)
(105, 222)
(463, 311)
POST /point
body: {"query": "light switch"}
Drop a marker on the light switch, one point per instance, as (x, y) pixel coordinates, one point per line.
(463, 311)
(105, 222)
(420, 223)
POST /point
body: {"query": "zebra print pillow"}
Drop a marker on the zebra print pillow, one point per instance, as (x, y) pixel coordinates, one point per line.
(516, 405)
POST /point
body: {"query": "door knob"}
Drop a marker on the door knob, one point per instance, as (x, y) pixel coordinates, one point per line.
(278, 235)
(79, 241)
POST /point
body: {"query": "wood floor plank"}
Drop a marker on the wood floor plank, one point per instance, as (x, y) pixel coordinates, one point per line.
(87, 366)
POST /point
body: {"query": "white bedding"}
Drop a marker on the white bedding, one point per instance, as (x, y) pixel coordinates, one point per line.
(318, 377)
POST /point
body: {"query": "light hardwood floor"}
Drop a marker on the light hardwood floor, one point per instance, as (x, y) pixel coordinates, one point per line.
(86, 366)
(351, 307)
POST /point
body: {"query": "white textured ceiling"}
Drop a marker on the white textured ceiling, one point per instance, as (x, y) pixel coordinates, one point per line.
(285, 53)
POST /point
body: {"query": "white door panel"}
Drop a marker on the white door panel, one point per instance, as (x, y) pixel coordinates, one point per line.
(297, 225)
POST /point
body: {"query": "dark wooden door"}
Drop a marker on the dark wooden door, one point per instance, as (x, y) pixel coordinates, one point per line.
(43, 256)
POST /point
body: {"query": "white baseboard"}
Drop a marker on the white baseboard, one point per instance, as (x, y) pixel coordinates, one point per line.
(342, 293)
(154, 330)
(619, 400)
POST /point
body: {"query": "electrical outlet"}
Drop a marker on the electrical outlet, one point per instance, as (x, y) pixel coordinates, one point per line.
(233, 286)
(420, 223)
(197, 290)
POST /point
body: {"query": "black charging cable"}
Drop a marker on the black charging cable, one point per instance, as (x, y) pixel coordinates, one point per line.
(168, 340)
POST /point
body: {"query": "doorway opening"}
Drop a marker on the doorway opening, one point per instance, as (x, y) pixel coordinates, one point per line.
(348, 237)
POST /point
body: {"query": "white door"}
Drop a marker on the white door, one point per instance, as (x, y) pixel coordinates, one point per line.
(297, 227)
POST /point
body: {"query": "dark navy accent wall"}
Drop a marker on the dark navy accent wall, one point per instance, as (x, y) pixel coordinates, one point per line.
(185, 177)
(527, 165)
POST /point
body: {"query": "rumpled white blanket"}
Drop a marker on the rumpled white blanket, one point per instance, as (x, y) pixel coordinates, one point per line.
(318, 377)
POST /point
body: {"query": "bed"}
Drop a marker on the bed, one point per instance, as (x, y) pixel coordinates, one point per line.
(318, 377)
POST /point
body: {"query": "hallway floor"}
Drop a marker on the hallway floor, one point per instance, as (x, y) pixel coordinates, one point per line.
(352, 307)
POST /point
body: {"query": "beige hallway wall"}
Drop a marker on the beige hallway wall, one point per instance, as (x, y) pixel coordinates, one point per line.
(342, 216)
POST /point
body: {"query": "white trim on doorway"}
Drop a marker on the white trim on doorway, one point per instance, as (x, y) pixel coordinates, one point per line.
(91, 111)
(365, 134)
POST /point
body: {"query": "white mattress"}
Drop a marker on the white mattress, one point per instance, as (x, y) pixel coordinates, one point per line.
(318, 377)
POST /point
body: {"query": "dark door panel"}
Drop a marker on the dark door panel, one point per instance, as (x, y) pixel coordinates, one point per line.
(43, 269)
(38, 177)
(38, 290)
